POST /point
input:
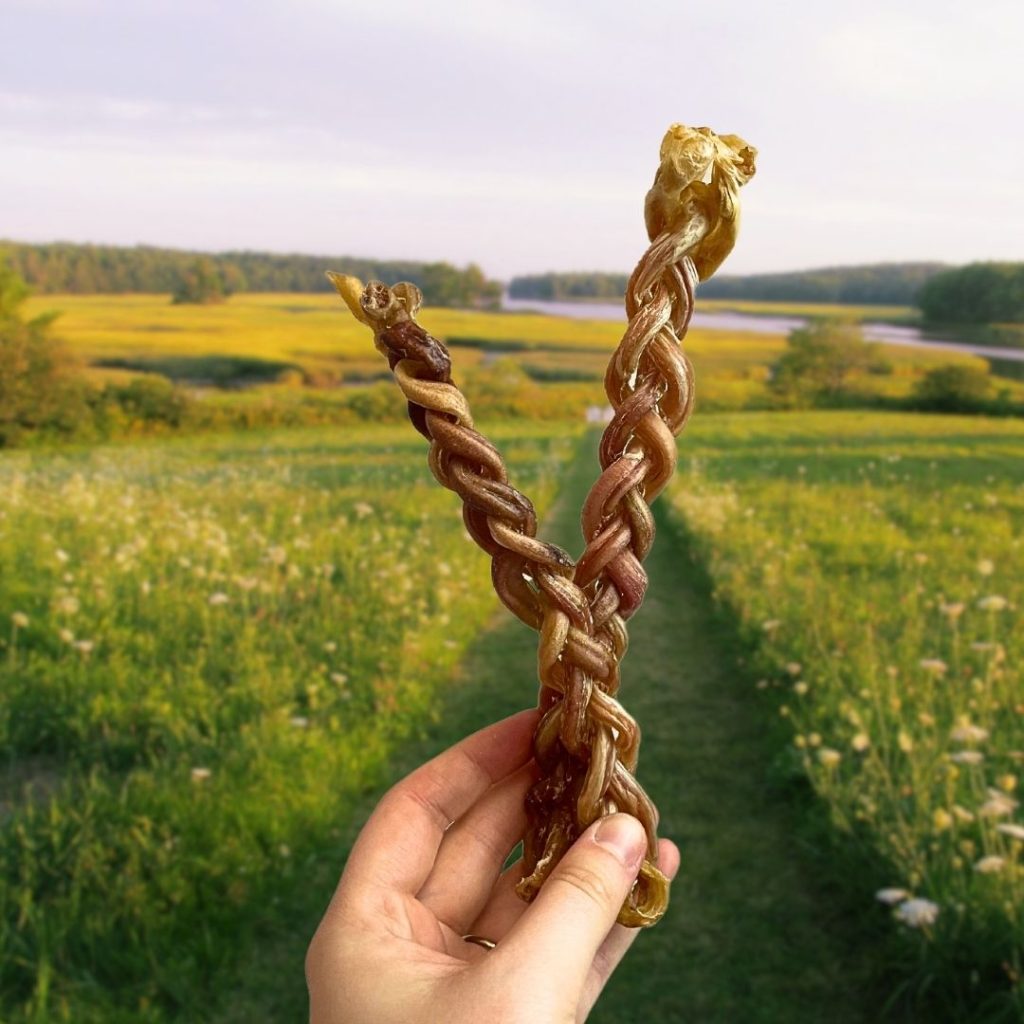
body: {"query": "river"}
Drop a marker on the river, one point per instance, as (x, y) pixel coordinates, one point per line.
(889, 334)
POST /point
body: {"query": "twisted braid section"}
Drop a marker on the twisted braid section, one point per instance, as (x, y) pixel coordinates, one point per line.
(649, 383)
(532, 577)
(586, 744)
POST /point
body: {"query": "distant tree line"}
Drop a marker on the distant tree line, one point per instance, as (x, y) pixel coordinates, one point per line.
(63, 267)
(554, 287)
(980, 293)
(890, 284)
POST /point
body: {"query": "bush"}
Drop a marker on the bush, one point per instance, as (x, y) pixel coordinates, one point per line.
(39, 391)
(149, 401)
(819, 360)
(953, 389)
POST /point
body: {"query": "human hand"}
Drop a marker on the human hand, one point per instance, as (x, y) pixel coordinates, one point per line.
(427, 870)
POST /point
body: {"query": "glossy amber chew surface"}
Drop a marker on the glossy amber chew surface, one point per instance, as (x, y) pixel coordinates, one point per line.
(586, 743)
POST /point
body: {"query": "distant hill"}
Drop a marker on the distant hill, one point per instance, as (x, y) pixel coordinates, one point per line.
(889, 284)
(91, 269)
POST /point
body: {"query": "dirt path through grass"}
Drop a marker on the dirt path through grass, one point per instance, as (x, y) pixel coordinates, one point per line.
(752, 937)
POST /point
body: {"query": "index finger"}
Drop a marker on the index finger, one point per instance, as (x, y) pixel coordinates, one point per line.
(399, 843)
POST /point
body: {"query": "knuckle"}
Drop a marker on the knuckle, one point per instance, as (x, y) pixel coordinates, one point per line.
(585, 880)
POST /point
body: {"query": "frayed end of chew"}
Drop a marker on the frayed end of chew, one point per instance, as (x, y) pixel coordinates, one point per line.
(351, 290)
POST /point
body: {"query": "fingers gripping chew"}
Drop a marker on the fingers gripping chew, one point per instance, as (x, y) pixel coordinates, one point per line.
(586, 743)
(578, 906)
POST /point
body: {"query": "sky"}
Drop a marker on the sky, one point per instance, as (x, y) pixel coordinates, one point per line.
(520, 135)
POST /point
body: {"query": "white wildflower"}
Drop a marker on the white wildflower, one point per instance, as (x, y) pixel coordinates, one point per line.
(965, 732)
(998, 804)
(829, 757)
(990, 865)
(66, 636)
(993, 603)
(934, 666)
(770, 625)
(892, 896)
(84, 646)
(200, 774)
(917, 913)
(794, 668)
(967, 757)
(1011, 830)
(298, 722)
(277, 555)
(362, 509)
(986, 567)
(218, 598)
(19, 620)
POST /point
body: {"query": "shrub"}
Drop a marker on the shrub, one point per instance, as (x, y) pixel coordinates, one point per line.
(953, 389)
(150, 401)
(38, 389)
(819, 360)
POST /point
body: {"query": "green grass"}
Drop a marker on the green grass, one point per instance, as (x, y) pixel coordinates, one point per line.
(876, 562)
(208, 651)
(887, 314)
(228, 654)
(753, 932)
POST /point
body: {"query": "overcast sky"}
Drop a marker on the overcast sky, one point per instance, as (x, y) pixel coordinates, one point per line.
(517, 134)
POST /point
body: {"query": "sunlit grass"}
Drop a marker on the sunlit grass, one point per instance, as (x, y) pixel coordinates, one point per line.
(878, 561)
(206, 650)
(315, 333)
(810, 309)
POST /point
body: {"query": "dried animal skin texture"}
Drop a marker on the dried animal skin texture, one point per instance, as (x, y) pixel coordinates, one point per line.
(586, 744)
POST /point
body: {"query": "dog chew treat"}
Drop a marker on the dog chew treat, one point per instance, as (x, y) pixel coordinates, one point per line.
(586, 744)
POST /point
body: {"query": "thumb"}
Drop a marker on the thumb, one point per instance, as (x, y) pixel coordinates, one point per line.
(560, 934)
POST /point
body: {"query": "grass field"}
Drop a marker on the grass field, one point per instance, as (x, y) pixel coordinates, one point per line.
(208, 651)
(269, 337)
(215, 651)
(876, 564)
(886, 314)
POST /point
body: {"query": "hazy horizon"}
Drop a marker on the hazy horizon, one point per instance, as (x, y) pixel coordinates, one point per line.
(522, 137)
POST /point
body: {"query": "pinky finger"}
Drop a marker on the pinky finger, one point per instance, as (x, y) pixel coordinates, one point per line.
(620, 938)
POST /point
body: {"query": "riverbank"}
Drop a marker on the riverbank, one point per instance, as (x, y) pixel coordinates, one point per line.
(890, 325)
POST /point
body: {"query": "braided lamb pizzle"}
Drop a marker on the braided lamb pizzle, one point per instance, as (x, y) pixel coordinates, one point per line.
(586, 744)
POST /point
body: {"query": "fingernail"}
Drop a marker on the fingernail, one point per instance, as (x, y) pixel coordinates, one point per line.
(623, 836)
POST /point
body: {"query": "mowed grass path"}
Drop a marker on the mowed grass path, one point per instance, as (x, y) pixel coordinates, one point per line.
(752, 934)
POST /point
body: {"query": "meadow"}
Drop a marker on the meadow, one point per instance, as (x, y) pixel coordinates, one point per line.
(875, 564)
(209, 650)
(213, 648)
(310, 345)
